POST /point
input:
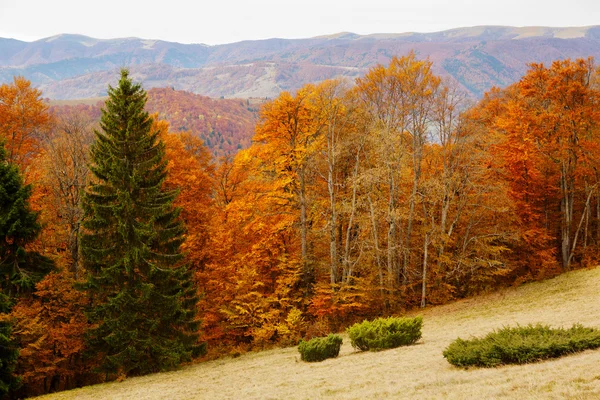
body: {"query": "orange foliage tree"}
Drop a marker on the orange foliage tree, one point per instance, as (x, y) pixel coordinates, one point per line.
(190, 171)
(49, 328)
(23, 120)
(261, 244)
(547, 149)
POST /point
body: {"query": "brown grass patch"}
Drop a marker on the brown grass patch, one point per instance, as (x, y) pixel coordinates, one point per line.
(413, 372)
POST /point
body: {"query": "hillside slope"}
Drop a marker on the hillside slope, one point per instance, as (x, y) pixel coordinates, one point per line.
(75, 66)
(413, 372)
(224, 125)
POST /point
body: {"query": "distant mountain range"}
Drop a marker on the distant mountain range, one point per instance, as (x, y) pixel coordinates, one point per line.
(75, 66)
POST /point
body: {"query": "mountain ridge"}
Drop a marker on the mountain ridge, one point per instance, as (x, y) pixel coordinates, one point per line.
(562, 31)
(68, 66)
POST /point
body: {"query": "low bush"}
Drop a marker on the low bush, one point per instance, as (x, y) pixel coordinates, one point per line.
(385, 333)
(520, 345)
(319, 349)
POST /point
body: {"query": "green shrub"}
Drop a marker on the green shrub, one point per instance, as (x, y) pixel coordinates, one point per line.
(319, 349)
(385, 333)
(520, 345)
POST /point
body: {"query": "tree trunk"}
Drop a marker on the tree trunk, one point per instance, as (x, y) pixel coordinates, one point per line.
(567, 217)
(391, 234)
(424, 284)
(306, 269)
(347, 267)
(376, 242)
(333, 245)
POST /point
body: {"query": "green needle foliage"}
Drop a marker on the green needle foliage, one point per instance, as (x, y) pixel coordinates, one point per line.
(319, 349)
(385, 333)
(521, 345)
(8, 351)
(20, 269)
(143, 296)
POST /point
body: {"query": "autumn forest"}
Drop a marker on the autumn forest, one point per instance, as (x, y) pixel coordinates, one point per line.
(354, 199)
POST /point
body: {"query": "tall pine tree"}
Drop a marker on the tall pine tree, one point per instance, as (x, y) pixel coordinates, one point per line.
(143, 296)
(8, 350)
(20, 269)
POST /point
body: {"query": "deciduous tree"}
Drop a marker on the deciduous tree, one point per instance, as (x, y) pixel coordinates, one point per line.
(23, 119)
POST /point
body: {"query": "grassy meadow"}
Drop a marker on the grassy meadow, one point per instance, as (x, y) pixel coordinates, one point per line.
(414, 372)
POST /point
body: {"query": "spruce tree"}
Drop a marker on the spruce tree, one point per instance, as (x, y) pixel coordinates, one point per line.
(20, 269)
(143, 296)
(8, 351)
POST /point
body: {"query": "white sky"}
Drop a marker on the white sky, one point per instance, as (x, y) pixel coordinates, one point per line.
(227, 21)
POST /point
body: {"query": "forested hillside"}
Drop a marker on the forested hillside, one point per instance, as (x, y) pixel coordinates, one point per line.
(224, 125)
(351, 201)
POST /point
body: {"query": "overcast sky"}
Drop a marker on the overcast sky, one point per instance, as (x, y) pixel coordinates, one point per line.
(226, 21)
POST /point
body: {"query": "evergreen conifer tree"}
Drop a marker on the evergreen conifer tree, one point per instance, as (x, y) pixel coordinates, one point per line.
(143, 296)
(20, 269)
(8, 350)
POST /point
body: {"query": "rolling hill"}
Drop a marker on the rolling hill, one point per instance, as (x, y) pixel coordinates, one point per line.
(224, 125)
(74, 66)
(417, 371)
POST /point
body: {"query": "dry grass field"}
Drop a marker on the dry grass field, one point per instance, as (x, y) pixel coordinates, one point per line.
(415, 372)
